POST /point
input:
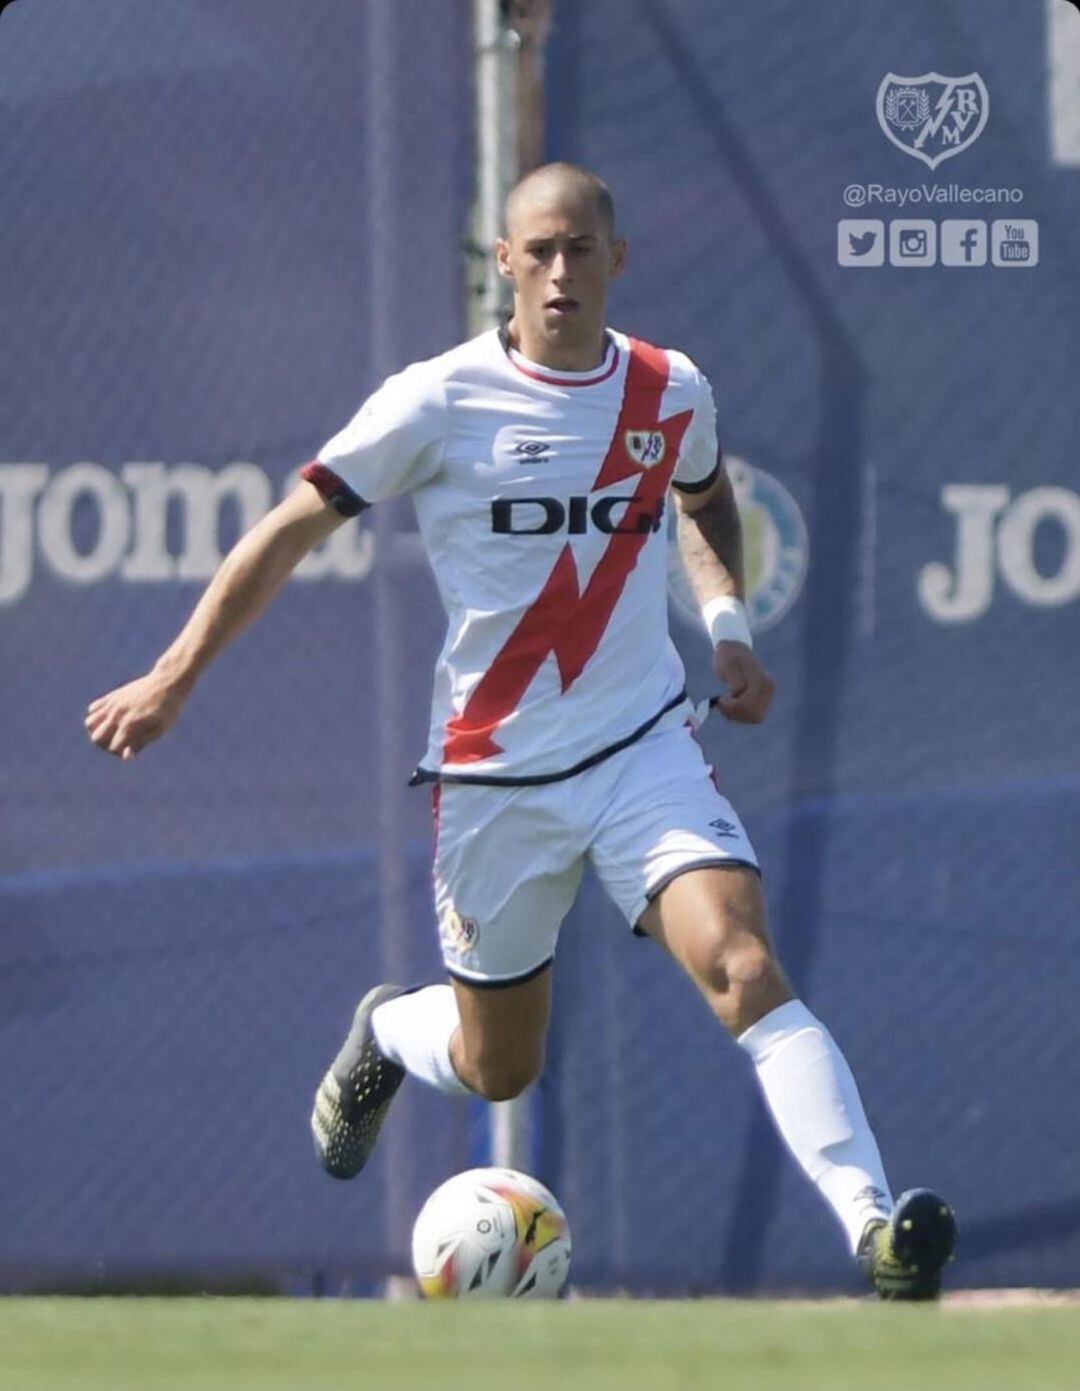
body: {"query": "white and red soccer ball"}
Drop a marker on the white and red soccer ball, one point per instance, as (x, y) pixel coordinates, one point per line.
(491, 1234)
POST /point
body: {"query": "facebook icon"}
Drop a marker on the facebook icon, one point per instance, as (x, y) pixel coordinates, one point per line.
(963, 243)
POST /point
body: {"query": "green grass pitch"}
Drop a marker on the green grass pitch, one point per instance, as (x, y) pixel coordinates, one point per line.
(617, 1345)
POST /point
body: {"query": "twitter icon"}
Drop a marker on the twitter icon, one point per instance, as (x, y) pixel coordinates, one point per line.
(860, 242)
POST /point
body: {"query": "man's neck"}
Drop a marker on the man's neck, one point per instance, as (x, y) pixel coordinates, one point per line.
(559, 356)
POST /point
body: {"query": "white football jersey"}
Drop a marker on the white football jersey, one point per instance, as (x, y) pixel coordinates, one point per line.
(540, 497)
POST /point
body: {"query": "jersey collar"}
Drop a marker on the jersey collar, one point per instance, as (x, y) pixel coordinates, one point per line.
(550, 377)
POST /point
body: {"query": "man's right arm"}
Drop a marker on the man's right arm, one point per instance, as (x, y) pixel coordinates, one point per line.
(125, 720)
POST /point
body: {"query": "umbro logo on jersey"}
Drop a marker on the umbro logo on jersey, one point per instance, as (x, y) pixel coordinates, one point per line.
(646, 447)
(532, 449)
(724, 829)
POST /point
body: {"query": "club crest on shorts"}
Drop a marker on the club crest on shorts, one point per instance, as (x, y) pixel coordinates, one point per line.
(458, 933)
(933, 117)
(646, 447)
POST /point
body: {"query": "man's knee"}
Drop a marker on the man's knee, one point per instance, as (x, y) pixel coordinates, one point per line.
(740, 978)
(501, 1078)
(713, 923)
(746, 969)
(495, 1067)
(499, 1048)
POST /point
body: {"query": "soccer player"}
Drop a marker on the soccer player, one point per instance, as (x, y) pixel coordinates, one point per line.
(540, 459)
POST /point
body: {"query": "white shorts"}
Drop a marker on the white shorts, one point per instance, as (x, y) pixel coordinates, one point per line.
(508, 860)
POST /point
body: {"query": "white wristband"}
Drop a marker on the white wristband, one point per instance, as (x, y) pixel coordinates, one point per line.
(725, 620)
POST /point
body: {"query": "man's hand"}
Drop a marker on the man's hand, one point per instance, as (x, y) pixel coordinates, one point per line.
(750, 687)
(127, 719)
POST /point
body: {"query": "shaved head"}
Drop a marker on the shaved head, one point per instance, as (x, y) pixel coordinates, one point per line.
(560, 183)
(559, 252)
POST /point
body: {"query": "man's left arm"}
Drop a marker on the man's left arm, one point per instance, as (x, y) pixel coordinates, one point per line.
(710, 543)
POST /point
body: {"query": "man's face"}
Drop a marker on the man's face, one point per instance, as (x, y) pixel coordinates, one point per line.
(560, 256)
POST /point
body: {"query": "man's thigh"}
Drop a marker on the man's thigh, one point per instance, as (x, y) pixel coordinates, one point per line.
(713, 923)
(507, 868)
(662, 816)
(705, 912)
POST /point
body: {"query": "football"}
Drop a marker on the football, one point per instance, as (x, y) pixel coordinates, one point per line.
(491, 1234)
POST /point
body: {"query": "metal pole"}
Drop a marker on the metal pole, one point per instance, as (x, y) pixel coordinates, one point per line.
(497, 43)
(496, 157)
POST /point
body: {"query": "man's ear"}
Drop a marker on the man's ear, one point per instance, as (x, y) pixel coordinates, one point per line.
(619, 252)
(502, 259)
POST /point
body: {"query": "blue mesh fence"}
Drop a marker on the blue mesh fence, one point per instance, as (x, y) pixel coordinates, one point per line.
(225, 224)
(915, 793)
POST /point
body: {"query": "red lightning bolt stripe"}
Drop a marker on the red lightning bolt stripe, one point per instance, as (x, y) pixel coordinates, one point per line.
(562, 620)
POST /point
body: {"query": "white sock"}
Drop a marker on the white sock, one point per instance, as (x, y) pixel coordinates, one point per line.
(815, 1104)
(414, 1031)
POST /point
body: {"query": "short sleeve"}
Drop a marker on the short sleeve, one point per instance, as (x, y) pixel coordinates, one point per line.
(393, 444)
(699, 458)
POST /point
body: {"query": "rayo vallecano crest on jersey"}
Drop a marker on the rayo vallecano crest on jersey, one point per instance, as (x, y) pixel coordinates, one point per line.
(933, 117)
(646, 447)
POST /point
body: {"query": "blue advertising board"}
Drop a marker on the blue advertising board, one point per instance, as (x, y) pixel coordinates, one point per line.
(224, 226)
